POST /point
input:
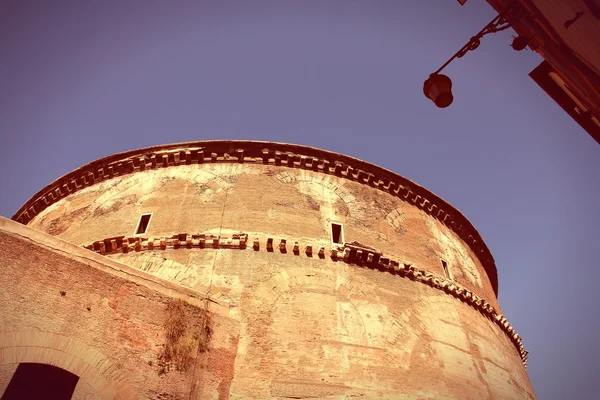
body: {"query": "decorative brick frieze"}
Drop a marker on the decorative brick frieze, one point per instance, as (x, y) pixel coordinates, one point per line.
(351, 253)
(308, 250)
(277, 154)
(282, 246)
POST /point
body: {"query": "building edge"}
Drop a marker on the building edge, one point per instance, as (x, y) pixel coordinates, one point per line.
(262, 152)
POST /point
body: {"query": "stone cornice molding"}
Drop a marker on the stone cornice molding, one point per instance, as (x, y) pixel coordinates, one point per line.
(351, 254)
(270, 153)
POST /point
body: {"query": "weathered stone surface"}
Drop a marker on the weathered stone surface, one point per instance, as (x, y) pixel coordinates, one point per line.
(374, 317)
(251, 198)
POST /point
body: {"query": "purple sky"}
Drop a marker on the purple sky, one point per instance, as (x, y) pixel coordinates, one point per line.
(81, 80)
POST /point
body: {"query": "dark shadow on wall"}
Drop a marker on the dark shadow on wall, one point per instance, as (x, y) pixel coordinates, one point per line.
(40, 381)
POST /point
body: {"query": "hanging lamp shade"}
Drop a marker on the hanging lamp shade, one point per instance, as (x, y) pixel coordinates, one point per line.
(438, 88)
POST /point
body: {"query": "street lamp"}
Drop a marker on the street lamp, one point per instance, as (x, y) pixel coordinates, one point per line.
(438, 87)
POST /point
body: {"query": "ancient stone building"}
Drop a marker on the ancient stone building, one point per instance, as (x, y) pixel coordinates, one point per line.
(250, 270)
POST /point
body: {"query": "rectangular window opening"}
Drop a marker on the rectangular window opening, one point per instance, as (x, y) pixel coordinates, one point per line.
(446, 270)
(143, 224)
(337, 234)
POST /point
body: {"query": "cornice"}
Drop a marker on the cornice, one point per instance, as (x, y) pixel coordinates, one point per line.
(269, 153)
(354, 254)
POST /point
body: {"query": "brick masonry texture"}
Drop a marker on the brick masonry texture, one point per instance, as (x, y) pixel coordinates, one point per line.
(243, 231)
(279, 154)
(356, 255)
(96, 318)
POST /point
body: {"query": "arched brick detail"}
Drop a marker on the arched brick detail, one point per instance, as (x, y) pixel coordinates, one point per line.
(286, 280)
(269, 291)
(91, 366)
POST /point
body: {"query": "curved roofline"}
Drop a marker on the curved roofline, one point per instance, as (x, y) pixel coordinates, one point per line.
(261, 152)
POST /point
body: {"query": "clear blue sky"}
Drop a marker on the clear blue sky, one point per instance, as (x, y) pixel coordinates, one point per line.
(81, 80)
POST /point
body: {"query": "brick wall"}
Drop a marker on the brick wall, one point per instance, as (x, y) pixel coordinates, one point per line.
(65, 306)
(285, 325)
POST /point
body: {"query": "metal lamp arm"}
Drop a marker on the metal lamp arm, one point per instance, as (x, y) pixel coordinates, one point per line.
(496, 25)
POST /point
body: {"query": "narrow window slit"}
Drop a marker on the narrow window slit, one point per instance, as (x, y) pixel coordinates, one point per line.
(143, 224)
(337, 234)
(446, 270)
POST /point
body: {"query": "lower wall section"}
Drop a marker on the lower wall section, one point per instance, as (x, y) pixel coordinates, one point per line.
(104, 322)
(279, 327)
(312, 327)
(339, 331)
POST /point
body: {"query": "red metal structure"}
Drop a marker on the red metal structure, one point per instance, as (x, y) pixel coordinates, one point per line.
(567, 35)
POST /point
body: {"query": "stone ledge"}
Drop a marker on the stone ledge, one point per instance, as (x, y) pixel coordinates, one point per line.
(255, 152)
(351, 253)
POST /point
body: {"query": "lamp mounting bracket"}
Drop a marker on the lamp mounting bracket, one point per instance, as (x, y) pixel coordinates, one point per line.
(499, 23)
